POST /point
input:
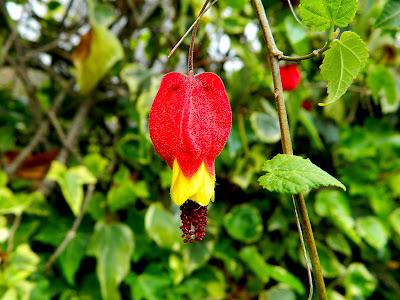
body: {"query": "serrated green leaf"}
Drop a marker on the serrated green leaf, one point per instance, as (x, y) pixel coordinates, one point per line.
(112, 245)
(293, 174)
(320, 15)
(390, 16)
(342, 63)
(380, 79)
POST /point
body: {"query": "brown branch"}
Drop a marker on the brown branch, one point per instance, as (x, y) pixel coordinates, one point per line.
(71, 138)
(31, 91)
(38, 137)
(273, 54)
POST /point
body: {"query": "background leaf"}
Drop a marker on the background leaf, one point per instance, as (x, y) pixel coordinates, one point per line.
(112, 244)
(390, 15)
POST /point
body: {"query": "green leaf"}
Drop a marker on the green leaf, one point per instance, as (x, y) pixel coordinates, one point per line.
(121, 196)
(308, 122)
(134, 75)
(97, 52)
(342, 63)
(100, 13)
(252, 258)
(278, 292)
(148, 286)
(297, 35)
(95, 163)
(70, 259)
(337, 242)
(112, 245)
(3, 178)
(71, 182)
(266, 127)
(196, 255)
(244, 223)
(162, 227)
(380, 79)
(21, 264)
(321, 15)
(372, 231)
(335, 205)
(390, 16)
(330, 265)
(358, 281)
(293, 174)
(394, 220)
(17, 203)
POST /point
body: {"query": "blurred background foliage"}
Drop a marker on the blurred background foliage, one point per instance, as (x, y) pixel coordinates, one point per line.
(85, 211)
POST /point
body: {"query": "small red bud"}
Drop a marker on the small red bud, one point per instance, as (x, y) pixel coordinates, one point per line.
(307, 105)
(290, 76)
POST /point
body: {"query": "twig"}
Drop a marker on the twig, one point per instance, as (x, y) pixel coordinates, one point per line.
(37, 138)
(17, 222)
(315, 53)
(70, 139)
(287, 144)
(293, 12)
(7, 45)
(67, 10)
(72, 231)
(190, 28)
(31, 91)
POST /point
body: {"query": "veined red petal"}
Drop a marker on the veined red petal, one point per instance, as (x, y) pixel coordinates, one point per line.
(190, 120)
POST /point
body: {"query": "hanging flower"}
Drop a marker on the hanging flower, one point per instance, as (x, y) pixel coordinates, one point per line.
(290, 76)
(189, 123)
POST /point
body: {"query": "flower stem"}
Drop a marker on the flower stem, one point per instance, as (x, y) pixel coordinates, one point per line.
(194, 31)
(273, 58)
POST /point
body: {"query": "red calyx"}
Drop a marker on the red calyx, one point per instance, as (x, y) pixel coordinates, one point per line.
(190, 120)
(290, 76)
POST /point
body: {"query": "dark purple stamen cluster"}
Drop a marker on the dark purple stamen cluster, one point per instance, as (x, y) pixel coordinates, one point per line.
(194, 221)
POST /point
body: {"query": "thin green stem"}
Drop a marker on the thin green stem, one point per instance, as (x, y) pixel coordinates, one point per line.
(273, 58)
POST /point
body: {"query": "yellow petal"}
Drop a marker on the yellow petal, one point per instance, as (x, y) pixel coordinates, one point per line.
(198, 188)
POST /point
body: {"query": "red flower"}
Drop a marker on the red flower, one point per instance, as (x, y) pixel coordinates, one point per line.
(290, 76)
(189, 123)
